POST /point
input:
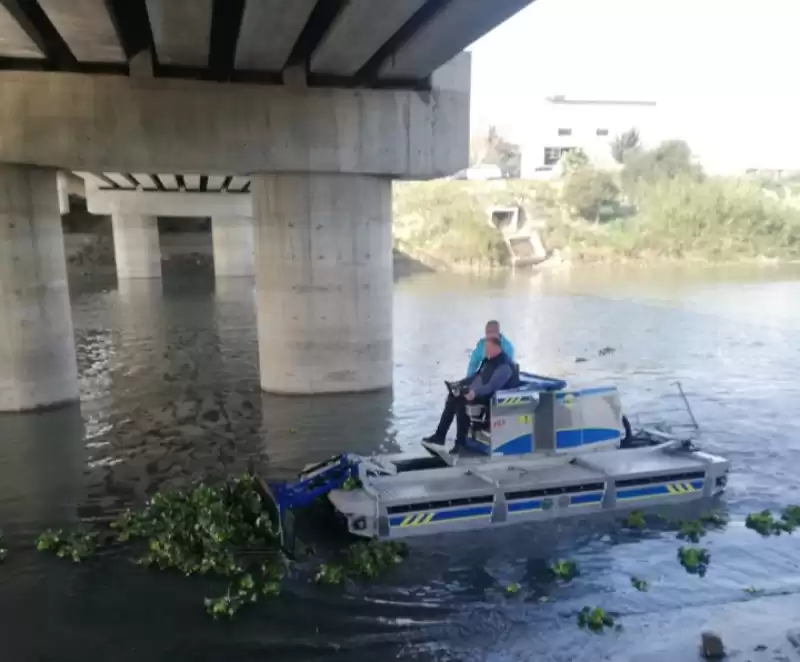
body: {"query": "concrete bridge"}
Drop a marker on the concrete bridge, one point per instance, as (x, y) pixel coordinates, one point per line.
(288, 119)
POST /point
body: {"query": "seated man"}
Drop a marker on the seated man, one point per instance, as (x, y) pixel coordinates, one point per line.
(492, 331)
(497, 371)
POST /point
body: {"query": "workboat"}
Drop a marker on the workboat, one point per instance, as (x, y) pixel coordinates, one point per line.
(537, 452)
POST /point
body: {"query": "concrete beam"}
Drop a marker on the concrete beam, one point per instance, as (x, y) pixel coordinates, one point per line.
(359, 31)
(104, 202)
(118, 124)
(13, 40)
(181, 31)
(449, 32)
(87, 28)
(282, 21)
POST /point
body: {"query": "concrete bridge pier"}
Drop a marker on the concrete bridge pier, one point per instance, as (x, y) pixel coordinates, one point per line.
(37, 352)
(232, 239)
(323, 282)
(136, 248)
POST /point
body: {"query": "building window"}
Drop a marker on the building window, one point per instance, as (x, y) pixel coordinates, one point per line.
(601, 132)
(565, 132)
(553, 154)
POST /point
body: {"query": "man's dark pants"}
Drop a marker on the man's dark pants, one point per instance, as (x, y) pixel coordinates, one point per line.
(456, 407)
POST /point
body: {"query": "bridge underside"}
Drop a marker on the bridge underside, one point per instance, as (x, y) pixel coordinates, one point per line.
(284, 120)
(342, 43)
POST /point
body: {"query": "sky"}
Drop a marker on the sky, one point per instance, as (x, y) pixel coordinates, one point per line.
(727, 72)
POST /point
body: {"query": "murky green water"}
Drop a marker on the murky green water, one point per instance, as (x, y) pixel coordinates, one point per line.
(170, 392)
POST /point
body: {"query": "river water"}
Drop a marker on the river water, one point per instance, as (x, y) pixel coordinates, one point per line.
(170, 392)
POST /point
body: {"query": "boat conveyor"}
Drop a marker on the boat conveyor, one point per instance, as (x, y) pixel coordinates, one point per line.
(538, 452)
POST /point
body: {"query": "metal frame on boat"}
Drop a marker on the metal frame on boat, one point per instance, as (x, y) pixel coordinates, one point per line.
(538, 452)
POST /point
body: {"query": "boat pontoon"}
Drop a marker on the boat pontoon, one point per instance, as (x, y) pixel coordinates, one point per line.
(537, 452)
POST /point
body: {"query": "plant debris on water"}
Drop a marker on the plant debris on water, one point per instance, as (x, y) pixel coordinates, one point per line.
(635, 520)
(640, 584)
(351, 483)
(594, 618)
(513, 588)
(76, 545)
(765, 524)
(564, 570)
(691, 530)
(694, 559)
(200, 530)
(363, 560)
(714, 520)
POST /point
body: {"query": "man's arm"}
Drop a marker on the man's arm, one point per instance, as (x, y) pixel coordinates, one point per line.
(499, 377)
(475, 360)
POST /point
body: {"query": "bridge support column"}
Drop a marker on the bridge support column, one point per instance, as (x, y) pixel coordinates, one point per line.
(233, 246)
(136, 248)
(37, 350)
(323, 282)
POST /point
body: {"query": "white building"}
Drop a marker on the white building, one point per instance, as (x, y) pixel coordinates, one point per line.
(591, 125)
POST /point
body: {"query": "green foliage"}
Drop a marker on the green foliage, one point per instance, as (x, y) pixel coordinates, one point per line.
(671, 159)
(363, 560)
(624, 144)
(498, 151)
(594, 618)
(76, 545)
(513, 588)
(244, 590)
(572, 161)
(198, 530)
(691, 530)
(635, 520)
(640, 584)
(587, 191)
(765, 524)
(564, 570)
(694, 559)
(351, 483)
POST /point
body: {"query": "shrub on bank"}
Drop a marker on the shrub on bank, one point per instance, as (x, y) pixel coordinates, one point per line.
(680, 217)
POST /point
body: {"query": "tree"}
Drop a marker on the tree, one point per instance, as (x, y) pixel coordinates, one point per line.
(588, 190)
(671, 159)
(495, 149)
(624, 143)
(571, 161)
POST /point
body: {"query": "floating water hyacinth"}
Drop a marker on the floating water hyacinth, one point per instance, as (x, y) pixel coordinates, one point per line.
(594, 618)
(694, 559)
(76, 545)
(564, 570)
(364, 560)
(640, 584)
(635, 520)
(691, 530)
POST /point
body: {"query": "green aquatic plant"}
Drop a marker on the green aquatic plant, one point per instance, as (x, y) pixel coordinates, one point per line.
(791, 515)
(564, 570)
(76, 545)
(594, 618)
(635, 520)
(714, 519)
(201, 530)
(363, 560)
(244, 590)
(694, 559)
(351, 483)
(691, 530)
(765, 524)
(640, 584)
(513, 588)
(329, 574)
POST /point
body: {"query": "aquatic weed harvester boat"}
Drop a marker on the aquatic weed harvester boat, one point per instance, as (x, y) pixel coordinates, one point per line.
(537, 452)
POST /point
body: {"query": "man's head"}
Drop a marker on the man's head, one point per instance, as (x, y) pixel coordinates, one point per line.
(491, 347)
(492, 329)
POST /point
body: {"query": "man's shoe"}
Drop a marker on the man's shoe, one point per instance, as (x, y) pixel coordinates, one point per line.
(458, 447)
(433, 439)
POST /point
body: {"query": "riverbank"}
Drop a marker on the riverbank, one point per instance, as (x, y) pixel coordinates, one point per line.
(715, 221)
